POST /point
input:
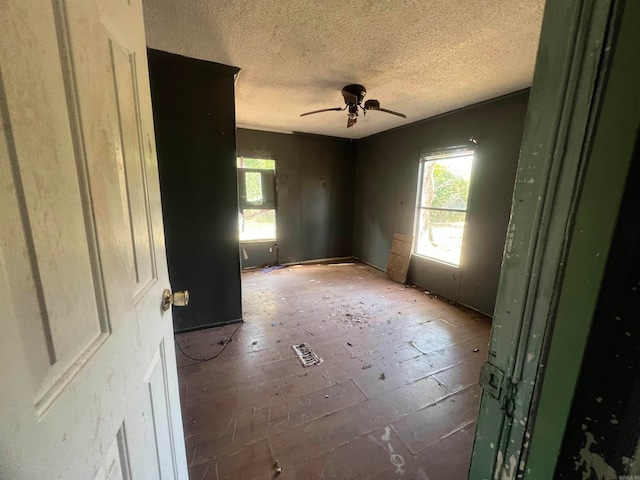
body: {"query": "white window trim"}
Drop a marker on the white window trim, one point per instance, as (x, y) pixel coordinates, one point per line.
(260, 206)
(426, 157)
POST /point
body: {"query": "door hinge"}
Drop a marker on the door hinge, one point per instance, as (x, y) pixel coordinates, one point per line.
(495, 383)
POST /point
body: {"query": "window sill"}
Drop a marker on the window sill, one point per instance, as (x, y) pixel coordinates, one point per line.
(266, 240)
(435, 260)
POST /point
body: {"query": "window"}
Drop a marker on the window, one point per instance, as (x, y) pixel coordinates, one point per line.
(441, 210)
(257, 199)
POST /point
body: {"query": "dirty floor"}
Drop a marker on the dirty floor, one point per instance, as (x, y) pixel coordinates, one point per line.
(396, 396)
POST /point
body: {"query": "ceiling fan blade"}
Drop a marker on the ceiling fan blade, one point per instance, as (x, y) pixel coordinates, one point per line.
(392, 112)
(351, 121)
(337, 109)
(386, 111)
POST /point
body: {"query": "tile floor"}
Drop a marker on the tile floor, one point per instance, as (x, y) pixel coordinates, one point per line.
(395, 398)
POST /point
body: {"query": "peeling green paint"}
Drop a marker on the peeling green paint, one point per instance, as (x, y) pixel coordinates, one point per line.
(610, 157)
(562, 100)
(591, 463)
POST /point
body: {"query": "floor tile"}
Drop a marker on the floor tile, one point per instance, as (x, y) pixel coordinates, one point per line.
(428, 426)
(395, 397)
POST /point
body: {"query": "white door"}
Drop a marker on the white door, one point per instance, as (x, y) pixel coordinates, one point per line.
(88, 385)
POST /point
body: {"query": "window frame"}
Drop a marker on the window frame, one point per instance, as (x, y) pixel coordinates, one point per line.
(270, 181)
(429, 156)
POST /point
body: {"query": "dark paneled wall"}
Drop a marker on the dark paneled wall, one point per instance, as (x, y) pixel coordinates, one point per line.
(194, 116)
(386, 185)
(315, 179)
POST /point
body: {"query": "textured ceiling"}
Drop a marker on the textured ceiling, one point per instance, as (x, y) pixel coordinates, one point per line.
(418, 57)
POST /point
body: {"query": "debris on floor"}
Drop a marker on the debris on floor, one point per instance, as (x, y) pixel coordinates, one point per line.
(354, 318)
(476, 350)
(225, 341)
(268, 386)
(272, 268)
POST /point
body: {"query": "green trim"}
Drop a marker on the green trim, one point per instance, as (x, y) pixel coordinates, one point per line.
(609, 162)
(564, 98)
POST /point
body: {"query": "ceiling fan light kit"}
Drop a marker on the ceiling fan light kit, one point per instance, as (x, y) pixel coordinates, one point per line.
(353, 96)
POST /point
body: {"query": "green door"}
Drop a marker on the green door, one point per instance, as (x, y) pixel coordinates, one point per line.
(569, 93)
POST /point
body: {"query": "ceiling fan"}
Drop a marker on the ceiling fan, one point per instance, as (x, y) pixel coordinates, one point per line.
(353, 96)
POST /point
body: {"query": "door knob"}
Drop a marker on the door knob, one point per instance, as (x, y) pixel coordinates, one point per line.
(177, 299)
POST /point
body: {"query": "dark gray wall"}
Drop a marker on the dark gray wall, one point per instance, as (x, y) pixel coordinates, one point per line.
(194, 117)
(315, 194)
(386, 185)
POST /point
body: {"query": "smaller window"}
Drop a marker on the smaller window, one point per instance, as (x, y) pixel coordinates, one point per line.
(257, 199)
(443, 192)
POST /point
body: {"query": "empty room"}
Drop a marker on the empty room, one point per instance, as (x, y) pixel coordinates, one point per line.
(313, 361)
(320, 240)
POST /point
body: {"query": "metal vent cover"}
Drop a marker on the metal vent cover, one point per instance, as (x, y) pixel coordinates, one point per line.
(306, 355)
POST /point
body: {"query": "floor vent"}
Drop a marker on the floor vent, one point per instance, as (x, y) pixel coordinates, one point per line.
(307, 357)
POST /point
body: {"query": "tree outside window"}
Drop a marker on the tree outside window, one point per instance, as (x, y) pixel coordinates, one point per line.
(442, 205)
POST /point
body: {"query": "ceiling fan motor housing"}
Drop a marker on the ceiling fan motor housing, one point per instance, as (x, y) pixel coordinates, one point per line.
(354, 94)
(371, 104)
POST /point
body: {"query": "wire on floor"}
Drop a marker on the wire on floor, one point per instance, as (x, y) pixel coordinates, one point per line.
(227, 341)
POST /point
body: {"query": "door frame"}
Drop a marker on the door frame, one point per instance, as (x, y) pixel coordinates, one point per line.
(611, 154)
(571, 73)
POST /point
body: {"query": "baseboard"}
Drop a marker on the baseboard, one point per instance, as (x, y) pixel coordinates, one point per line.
(211, 325)
(321, 260)
(370, 264)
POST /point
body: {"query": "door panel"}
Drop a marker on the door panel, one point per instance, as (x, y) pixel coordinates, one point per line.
(156, 380)
(116, 464)
(88, 351)
(123, 65)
